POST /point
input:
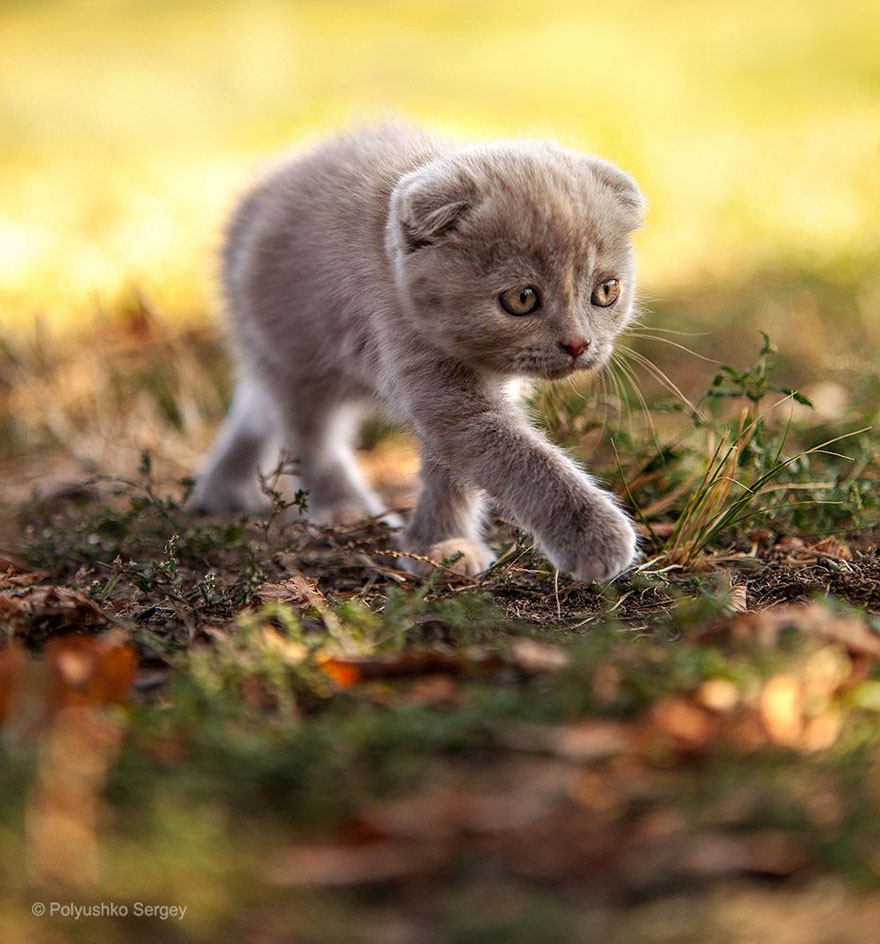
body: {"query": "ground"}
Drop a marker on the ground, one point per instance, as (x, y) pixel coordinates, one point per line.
(275, 726)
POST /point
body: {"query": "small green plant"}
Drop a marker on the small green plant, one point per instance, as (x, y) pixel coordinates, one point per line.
(743, 469)
(754, 383)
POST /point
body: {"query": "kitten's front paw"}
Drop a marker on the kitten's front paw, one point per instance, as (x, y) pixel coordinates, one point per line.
(472, 558)
(598, 548)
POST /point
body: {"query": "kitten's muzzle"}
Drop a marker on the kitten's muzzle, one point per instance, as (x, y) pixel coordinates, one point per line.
(575, 347)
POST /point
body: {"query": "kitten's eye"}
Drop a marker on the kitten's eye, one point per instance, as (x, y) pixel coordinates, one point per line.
(606, 293)
(520, 301)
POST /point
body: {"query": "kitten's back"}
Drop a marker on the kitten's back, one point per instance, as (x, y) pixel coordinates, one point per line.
(308, 239)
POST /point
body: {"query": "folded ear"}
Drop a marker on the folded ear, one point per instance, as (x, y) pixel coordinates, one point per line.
(628, 194)
(429, 203)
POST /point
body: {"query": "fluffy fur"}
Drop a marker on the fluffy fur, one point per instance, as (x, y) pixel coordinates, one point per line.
(367, 273)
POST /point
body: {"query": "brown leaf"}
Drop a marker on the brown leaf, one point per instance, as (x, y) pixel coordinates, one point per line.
(89, 670)
(342, 672)
(782, 702)
(526, 654)
(832, 547)
(851, 633)
(532, 655)
(298, 591)
(848, 631)
(14, 575)
(799, 552)
(689, 725)
(11, 664)
(349, 670)
(737, 600)
(65, 805)
(719, 695)
(301, 593)
(822, 731)
(48, 609)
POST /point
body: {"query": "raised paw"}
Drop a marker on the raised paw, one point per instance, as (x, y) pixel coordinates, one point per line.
(600, 548)
(471, 560)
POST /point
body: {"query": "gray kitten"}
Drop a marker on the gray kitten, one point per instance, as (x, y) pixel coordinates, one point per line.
(387, 268)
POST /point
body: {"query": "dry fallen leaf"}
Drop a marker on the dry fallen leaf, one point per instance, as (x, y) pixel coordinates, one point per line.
(343, 673)
(11, 665)
(65, 805)
(799, 552)
(719, 695)
(48, 609)
(737, 600)
(74, 670)
(532, 655)
(350, 670)
(302, 593)
(14, 576)
(832, 547)
(782, 703)
(822, 732)
(298, 591)
(690, 725)
(528, 655)
(847, 630)
(90, 670)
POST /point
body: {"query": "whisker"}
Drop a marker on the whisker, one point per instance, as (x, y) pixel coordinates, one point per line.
(650, 337)
(682, 334)
(606, 375)
(632, 380)
(626, 386)
(663, 379)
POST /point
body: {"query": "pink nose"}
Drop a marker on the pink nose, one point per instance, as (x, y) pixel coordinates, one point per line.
(575, 347)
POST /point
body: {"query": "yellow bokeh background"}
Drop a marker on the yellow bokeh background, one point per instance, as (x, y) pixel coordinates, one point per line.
(127, 127)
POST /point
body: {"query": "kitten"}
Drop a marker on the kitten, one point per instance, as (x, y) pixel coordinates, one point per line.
(388, 268)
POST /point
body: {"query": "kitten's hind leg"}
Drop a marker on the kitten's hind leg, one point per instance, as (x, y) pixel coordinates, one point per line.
(447, 522)
(320, 438)
(228, 480)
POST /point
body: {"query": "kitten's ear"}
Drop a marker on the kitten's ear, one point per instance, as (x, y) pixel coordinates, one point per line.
(429, 203)
(628, 194)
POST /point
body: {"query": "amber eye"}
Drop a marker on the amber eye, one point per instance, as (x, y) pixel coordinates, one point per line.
(520, 301)
(606, 293)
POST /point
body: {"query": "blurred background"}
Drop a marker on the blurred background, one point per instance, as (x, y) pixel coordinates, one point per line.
(128, 128)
